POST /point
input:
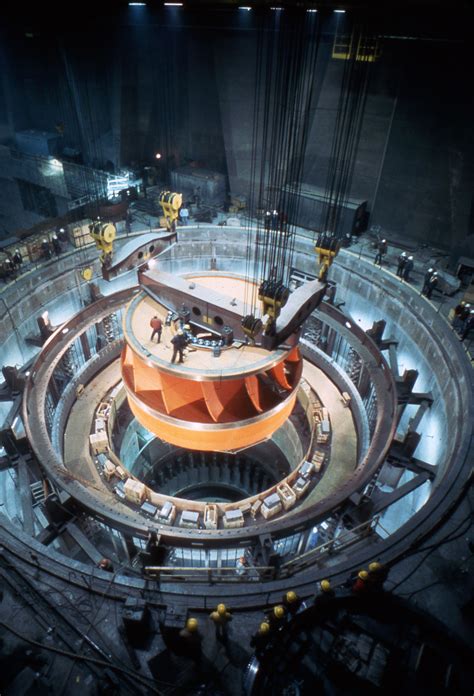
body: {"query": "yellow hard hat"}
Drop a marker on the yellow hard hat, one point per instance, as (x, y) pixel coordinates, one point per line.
(363, 575)
(325, 585)
(374, 567)
(221, 610)
(191, 625)
(291, 596)
(279, 611)
(264, 627)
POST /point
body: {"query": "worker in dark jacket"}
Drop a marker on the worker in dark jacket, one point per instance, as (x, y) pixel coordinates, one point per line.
(291, 602)
(179, 344)
(378, 573)
(432, 283)
(381, 252)
(468, 325)
(428, 275)
(261, 639)
(402, 259)
(408, 268)
(17, 258)
(276, 617)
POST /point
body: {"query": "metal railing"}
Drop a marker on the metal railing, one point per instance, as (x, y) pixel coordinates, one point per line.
(337, 543)
(210, 575)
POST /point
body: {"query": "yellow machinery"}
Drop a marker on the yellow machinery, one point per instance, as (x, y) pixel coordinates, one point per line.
(273, 296)
(103, 233)
(327, 247)
(170, 203)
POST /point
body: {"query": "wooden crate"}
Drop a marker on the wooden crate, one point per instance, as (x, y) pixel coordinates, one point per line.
(79, 235)
(135, 491)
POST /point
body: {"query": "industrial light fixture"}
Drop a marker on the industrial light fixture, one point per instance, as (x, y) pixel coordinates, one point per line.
(242, 7)
(136, 4)
(277, 9)
(340, 11)
(311, 10)
(173, 4)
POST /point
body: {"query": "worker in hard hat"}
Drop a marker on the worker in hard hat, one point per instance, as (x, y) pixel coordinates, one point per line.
(277, 617)
(381, 252)
(261, 639)
(378, 573)
(221, 618)
(291, 602)
(402, 259)
(361, 584)
(324, 594)
(179, 344)
(191, 640)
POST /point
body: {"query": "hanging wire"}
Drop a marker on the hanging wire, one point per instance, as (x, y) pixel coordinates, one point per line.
(285, 76)
(347, 129)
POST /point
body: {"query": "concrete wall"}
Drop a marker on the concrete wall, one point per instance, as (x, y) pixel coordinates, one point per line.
(190, 92)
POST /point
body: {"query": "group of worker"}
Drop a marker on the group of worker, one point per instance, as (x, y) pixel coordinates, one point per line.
(364, 582)
(190, 637)
(405, 263)
(52, 247)
(188, 640)
(179, 340)
(405, 266)
(463, 321)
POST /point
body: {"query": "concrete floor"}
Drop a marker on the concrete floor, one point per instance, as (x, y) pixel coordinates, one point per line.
(343, 453)
(77, 457)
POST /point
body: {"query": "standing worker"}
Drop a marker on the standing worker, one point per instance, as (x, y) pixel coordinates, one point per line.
(291, 602)
(191, 640)
(468, 325)
(426, 280)
(276, 618)
(184, 215)
(221, 617)
(325, 594)
(56, 245)
(402, 259)
(179, 344)
(408, 268)
(377, 575)
(432, 283)
(261, 639)
(157, 326)
(361, 585)
(17, 258)
(45, 249)
(381, 252)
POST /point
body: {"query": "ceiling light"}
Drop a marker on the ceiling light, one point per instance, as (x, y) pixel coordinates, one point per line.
(340, 11)
(245, 8)
(173, 4)
(276, 9)
(136, 4)
(311, 10)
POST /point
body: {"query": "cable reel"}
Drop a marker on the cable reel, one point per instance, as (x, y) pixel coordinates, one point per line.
(251, 326)
(327, 247)
(171, 203)
(103, 233)
(273, 295)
